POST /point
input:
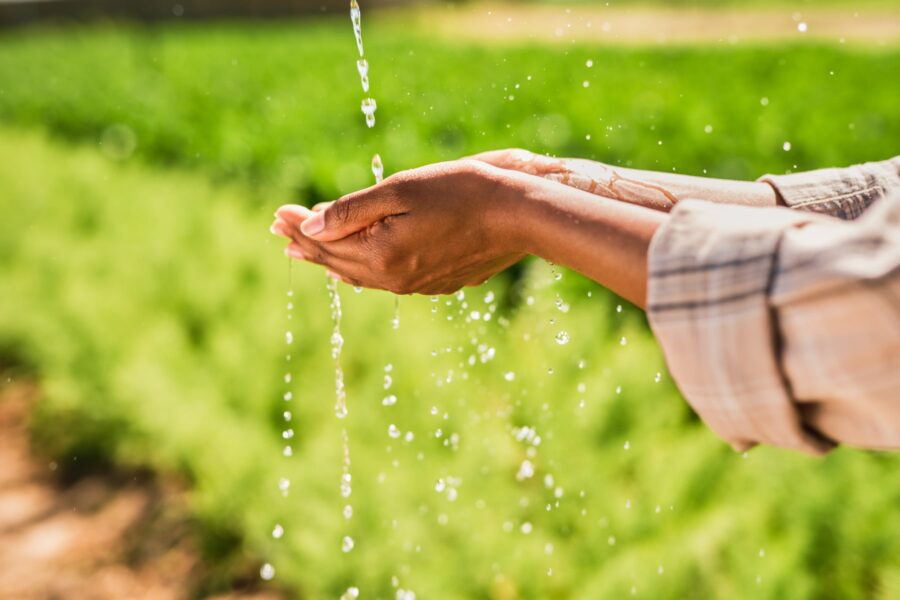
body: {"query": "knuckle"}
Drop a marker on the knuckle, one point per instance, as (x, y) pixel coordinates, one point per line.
(342, 210)
(318, 255)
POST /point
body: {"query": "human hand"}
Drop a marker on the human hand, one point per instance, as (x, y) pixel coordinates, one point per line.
(430, 230)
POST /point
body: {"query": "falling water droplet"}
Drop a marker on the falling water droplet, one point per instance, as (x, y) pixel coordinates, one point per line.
(347, 544)
(377, 166)
(562, 338)
(355, 17)
(346, 485)
(509, 376)
(393, 431)
(278, 532)
(267, 572)
(362, 65)
(369, 106)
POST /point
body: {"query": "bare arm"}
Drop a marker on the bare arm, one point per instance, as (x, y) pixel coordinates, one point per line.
(656, 190)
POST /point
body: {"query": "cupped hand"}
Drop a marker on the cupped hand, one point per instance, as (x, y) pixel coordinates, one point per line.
(586, 175)
(430, 230)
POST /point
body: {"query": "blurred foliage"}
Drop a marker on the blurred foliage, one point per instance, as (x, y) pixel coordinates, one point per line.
(138, 279)
(279, 104)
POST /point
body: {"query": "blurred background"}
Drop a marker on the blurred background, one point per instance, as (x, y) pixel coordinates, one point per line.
(143, 148)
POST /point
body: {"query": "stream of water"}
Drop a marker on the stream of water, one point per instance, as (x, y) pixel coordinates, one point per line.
(368, 107)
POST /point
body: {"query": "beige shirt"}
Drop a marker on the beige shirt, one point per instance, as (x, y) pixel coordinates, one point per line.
(782, 326)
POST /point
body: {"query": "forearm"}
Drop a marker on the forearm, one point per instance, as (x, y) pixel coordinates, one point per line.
(662, 191)
(603, 239)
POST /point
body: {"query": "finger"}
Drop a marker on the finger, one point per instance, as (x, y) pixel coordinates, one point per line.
(321, 254)
(293, 216)
(355, 247)
(322, 205)
(280, 227)
(293, 213)
(478, 281)
(343, 278)
(350, 214)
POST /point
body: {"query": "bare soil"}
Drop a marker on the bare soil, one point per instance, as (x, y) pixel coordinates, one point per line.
(98, 537)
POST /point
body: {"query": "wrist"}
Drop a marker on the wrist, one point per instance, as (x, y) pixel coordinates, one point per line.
(504, 210)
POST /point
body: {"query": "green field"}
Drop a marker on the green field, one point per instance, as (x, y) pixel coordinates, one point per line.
(139, 169)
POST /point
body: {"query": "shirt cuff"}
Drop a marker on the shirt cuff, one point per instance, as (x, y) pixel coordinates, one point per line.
(843, 193)
(711, 268)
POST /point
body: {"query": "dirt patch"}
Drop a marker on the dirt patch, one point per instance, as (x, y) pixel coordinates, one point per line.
(101, 536)
(650, 25)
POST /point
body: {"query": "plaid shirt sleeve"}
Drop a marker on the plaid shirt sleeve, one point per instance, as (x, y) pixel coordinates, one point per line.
(843, 193)
(783, 326)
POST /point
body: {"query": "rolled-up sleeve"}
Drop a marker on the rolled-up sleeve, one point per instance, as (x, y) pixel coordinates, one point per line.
(843, 193)
(782, 326)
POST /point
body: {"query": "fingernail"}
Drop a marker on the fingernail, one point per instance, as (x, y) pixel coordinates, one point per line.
(273, 229)
(294, 253)
(313, 225)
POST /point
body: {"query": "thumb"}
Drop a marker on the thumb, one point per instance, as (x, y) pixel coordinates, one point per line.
(348, 215)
